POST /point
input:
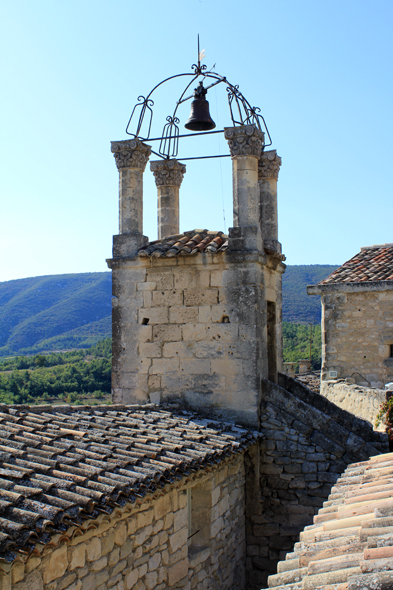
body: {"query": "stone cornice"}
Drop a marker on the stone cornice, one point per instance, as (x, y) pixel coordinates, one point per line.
(246, 140)
(168, 172)
(131, 153)
(269, 165)
(366, 286)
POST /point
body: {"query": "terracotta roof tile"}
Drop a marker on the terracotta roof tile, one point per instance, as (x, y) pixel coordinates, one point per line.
(350, 544)
(61, 466)
(191, 243)
(188, 243)
(371, 264)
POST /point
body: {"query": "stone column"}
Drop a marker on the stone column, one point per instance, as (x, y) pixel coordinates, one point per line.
(131, 158)
(245, 144)
(168, 175)
(268, 168)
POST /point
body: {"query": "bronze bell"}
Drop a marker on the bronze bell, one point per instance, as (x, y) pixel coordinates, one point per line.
(200, 119)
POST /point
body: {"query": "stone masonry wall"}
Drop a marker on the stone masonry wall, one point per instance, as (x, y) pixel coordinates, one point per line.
(357, 330)
(194, 328)
(362, 401)
(145, 547)
(307, 443)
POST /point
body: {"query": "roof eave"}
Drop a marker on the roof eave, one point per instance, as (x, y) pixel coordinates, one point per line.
(350, 287)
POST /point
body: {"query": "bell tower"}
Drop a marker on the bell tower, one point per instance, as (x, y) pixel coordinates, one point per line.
(197, 314)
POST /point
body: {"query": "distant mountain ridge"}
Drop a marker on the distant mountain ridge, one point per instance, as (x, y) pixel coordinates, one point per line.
(36, 310)
(296, 304)
(60, 312)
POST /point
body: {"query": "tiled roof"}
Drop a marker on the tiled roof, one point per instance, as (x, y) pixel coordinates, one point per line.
(371, 264)
(188, 243)
(350, 544)
(61, 466)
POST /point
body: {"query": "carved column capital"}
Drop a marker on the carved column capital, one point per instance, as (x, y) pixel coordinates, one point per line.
(168, 172)
(269, 165)
(131, 153)
(246, 140)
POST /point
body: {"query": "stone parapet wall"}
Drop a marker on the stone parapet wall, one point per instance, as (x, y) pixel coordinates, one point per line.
(307, 443)
(361, 401)
(194, 328)
(145, 546)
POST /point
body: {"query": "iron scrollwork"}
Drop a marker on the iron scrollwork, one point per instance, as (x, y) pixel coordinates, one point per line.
(241, 113)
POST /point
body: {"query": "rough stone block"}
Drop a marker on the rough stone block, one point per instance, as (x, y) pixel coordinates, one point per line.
(177, 349)
(155, 315)
(180, 519)
(142, 535)
(67, 581)
(196, 297)
(194, 366)
(204, 314)
(162, 507)
(168, 298)
(162, 366)
(146, 286)
(32, 582)
(167, 333)
(150, 350)
(183, 315)
(194, 332)
(178, 539)
(191, 279)
(131, 579)
(177, 572)
(145, 518)
(163, 279)
(56, 566)
(99, 564)
(209, 349)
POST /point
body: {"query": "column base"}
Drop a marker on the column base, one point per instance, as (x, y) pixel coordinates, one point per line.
(246, 238)
(128, 244)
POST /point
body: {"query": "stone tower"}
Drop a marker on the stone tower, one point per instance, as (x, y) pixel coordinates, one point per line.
(197, 316)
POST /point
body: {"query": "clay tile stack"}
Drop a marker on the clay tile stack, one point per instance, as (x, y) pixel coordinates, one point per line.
(186, 244)
(371, 264)
(63, 466)
(350, 544)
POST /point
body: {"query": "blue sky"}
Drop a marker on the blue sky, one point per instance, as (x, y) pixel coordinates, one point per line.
(321, 72)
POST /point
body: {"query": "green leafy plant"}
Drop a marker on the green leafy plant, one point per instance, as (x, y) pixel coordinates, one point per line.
(385, 416)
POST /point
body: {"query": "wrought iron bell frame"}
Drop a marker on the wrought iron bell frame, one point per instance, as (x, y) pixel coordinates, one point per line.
(241, 113)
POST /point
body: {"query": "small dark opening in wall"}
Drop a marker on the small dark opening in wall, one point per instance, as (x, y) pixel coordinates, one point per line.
(225, 319)
(145, 321)
(391, 350)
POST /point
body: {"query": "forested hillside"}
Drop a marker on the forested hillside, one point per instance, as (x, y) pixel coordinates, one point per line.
(297, 306)
(54, 312)
(80, 376)
(63, 312)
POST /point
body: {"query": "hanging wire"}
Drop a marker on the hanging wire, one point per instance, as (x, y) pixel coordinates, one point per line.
(219, 151)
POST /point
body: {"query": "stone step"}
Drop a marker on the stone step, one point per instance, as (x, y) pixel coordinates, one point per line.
(291, 577)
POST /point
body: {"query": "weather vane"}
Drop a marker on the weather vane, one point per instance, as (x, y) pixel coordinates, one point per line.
(199, 121)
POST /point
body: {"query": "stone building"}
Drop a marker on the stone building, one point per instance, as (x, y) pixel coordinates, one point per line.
(115, 497)
(197, 315)
(357, 319)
